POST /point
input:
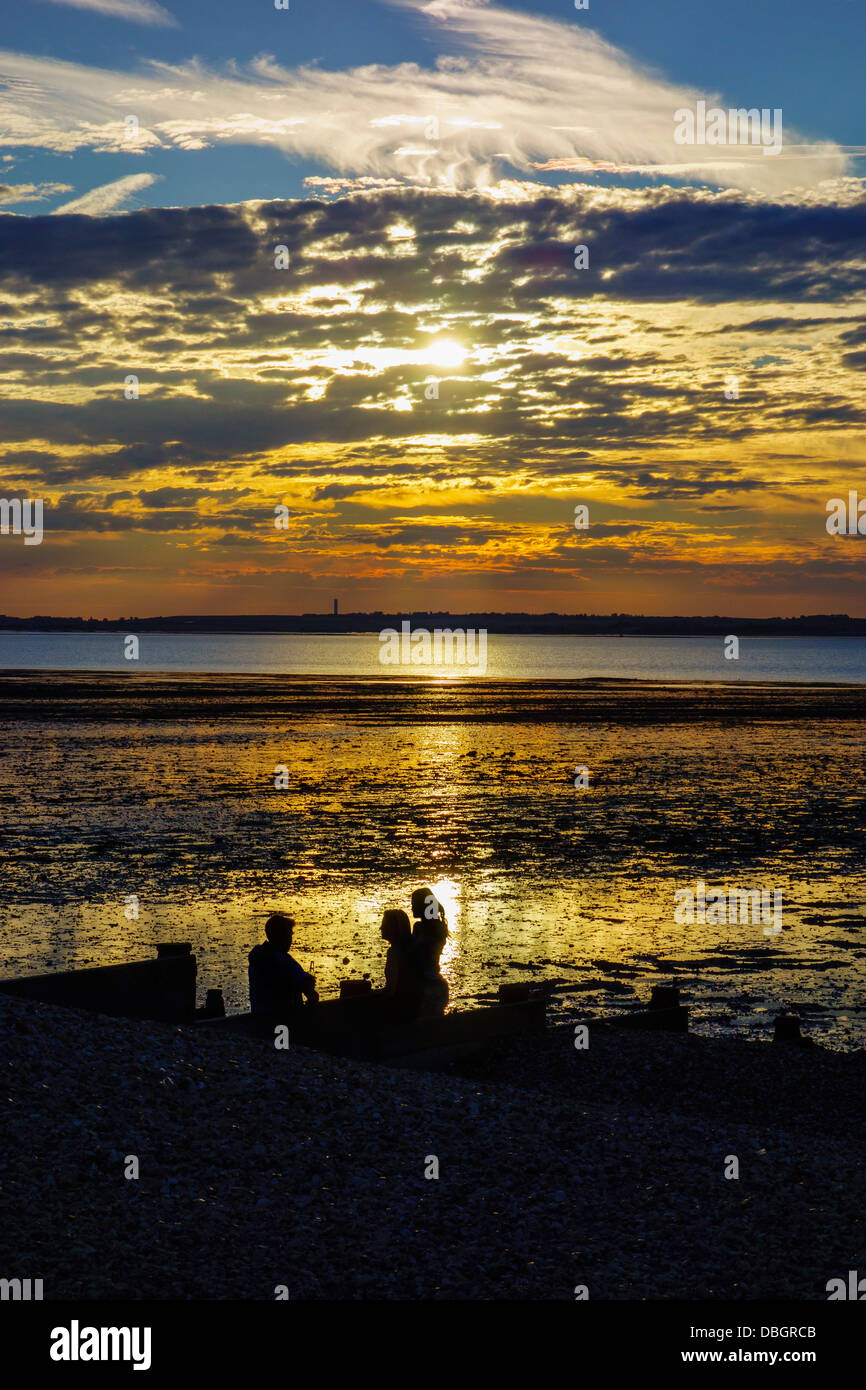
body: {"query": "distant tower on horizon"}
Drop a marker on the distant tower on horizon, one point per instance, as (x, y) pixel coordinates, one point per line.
(336, 607)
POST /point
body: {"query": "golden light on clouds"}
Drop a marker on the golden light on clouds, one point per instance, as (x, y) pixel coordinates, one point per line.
(430, 387)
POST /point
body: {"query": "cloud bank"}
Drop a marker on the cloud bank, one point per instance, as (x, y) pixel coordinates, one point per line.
(430, 386)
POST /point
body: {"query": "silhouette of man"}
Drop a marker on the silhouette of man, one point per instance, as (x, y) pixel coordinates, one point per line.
(278, 985)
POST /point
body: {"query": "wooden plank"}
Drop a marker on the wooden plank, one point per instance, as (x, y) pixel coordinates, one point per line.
(162, 990)
(472, 1026)
(457, 1033)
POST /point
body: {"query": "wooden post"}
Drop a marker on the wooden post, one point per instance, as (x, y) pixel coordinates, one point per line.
(665, 997)
(214, 1004)
(788, 1029)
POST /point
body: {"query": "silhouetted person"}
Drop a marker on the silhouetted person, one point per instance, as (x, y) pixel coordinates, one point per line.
(278, 985)
(429, 934)
(400, 1000)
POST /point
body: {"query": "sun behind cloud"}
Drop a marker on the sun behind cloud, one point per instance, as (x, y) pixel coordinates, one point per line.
(444, 352)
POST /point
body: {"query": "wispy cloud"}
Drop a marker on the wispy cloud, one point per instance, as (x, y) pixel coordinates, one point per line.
(138, 11)
(515, 90)
(108, 196)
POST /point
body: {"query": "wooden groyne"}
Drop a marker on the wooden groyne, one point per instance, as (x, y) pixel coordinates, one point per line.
(665, 1013)
(161, 990)
(340, 1028)
(164, 991)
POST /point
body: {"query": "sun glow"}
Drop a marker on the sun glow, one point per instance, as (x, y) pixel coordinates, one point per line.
(444, 352)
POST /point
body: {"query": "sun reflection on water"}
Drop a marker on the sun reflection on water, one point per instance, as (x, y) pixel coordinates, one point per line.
(447, 890)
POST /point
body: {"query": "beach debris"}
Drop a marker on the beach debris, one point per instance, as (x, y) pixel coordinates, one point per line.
(214, 1005)
(521, 991)
(356, 989)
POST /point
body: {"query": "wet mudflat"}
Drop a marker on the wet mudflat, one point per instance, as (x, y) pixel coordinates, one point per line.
(113, 786)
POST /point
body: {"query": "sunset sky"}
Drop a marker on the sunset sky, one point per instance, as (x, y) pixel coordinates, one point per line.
(430, 385)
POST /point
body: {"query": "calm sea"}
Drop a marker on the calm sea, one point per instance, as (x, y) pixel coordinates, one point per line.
(508, 657)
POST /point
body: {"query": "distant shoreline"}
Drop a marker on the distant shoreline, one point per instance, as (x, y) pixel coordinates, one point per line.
(501, 624)
(739, 625)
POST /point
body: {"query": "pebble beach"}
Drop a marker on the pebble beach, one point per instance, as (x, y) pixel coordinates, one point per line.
(265, 1173)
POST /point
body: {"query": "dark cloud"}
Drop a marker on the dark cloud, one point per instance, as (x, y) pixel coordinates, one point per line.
(340, 490)
(685, 244)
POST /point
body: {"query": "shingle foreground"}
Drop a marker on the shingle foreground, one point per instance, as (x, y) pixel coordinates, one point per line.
(557, 1167)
